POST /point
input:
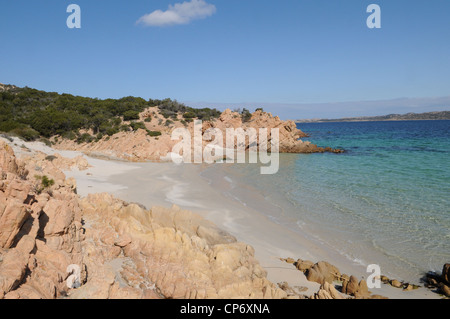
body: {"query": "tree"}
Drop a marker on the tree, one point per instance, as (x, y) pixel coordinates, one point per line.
(130, 115)
(246, 115)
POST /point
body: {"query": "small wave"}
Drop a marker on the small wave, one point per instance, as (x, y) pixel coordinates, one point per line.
(300, 224)
(229, 180)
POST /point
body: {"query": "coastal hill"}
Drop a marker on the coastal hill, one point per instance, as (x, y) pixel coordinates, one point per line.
(439, 115)
(129, 128)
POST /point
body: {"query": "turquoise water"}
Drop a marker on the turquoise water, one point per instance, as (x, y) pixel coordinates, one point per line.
(384, 201)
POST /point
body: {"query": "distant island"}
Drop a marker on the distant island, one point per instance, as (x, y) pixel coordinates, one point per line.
(441, 115)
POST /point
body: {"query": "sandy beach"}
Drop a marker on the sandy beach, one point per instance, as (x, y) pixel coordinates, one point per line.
(166, 184)
(203, 189)
(201, 150)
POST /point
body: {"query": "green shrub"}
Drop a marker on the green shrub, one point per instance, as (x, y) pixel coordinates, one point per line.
(130, 115)
(246, 115)
(114, 130)
(137, 125)
(124, 128)
(117, 121)
(166, 114)
(26, 133)
(9, 125)
(45, 182)
(189, 115)
(85, 138)
(50, 158)
(153, 133)
(46, 142)
(69, 135)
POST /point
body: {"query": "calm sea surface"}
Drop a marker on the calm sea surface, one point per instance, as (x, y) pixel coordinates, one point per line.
(385, 201)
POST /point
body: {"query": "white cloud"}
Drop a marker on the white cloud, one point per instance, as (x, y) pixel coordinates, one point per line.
(179, 13)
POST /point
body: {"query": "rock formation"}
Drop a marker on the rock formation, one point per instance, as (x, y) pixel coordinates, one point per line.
(120, 250)
(139, 146)
(322, 272)
(328, 291)
(40, 230)
(440, 282)
(326, 275)
(176, 251)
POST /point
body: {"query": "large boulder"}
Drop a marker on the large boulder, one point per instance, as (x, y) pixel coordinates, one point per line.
(12, 218)
(350, 287)
(303, 265)
(14, 266)
(7, 159)
(322, 272)
(445, 289)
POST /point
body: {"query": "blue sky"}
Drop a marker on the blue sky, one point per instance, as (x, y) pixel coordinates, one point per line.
(298, 58)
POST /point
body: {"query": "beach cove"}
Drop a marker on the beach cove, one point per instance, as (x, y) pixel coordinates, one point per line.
(190, 187)
(261, 210)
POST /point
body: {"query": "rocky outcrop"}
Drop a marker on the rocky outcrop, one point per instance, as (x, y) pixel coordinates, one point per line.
(176, 251)
(288, 133)
(295, 292)
(6, 87)
(328, 291)
(303, 265)
(130, 146)
(352, 287)
(322, 272)
(139, 146)
(55, 245)
(40, 231)
(63, 163)
(439, 282)
(327, 275)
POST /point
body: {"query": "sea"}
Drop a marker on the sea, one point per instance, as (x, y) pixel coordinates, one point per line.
(384, 201)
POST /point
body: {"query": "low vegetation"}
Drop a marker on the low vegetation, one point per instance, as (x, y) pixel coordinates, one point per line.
(32, 114)
(43, 183)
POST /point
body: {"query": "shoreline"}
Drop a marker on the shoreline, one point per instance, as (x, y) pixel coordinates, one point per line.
(166, 184)
(170, 184)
